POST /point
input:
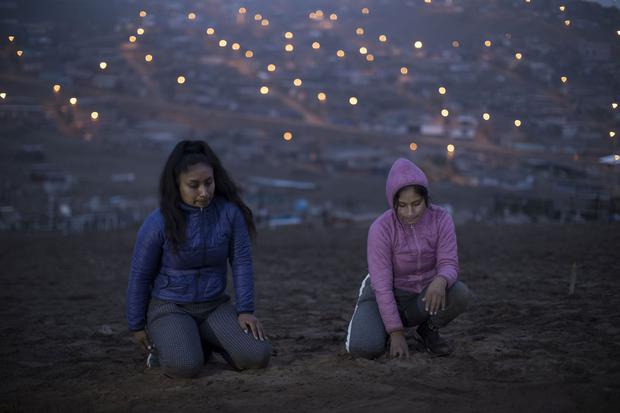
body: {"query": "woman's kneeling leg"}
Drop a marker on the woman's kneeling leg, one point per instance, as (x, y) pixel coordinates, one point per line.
(177, 341)
(242, 351)
(366, 336)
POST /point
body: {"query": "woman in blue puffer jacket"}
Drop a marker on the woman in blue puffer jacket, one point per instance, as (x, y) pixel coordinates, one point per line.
(177, 282)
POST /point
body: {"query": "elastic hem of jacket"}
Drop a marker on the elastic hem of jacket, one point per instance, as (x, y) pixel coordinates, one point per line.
(449, 282)
(395, 328)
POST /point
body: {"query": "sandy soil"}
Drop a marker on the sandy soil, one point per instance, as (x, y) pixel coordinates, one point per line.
(524, 346)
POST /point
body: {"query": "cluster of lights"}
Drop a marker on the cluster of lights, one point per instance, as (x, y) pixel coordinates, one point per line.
(321, 96)
(316, 15)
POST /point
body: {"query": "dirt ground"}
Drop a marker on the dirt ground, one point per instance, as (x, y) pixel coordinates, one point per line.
(525, 344)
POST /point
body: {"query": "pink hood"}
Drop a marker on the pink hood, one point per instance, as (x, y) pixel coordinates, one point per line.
(403, 173)
(408, 257)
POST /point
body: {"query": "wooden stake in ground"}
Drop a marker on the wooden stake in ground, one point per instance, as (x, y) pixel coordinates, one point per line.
(573, 279)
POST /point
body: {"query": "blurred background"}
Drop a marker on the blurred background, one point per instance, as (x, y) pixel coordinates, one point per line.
(511, 106)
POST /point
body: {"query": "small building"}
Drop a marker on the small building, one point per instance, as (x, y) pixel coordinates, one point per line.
(464, 127)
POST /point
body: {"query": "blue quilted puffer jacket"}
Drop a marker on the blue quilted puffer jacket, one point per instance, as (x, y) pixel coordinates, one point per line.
(214, 235)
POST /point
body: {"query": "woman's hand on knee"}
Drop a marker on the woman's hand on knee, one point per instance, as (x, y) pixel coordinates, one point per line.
(142, 339)
(435, 297)
(398, 345)
(249, 321)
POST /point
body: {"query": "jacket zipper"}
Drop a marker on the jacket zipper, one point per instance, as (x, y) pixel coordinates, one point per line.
(198, 291)
(417, 245)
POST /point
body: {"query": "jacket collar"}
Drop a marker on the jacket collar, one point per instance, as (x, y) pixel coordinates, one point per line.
(189, 209)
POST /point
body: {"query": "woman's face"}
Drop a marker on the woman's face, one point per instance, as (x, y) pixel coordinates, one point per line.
(410, 206)
(197, 185)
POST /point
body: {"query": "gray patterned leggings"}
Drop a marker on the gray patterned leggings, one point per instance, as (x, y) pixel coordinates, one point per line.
(186, 334)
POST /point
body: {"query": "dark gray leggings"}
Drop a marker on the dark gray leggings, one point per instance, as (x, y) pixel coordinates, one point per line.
(367, 337)
(185, 334)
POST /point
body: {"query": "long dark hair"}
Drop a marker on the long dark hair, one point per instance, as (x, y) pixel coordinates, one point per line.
(185, 154)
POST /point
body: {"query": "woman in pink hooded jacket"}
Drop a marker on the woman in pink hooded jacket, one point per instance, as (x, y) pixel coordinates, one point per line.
(413, 270)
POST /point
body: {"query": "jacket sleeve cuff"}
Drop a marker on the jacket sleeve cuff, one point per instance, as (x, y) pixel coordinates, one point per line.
(450, 279)
(244, 310)
(394, 327)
